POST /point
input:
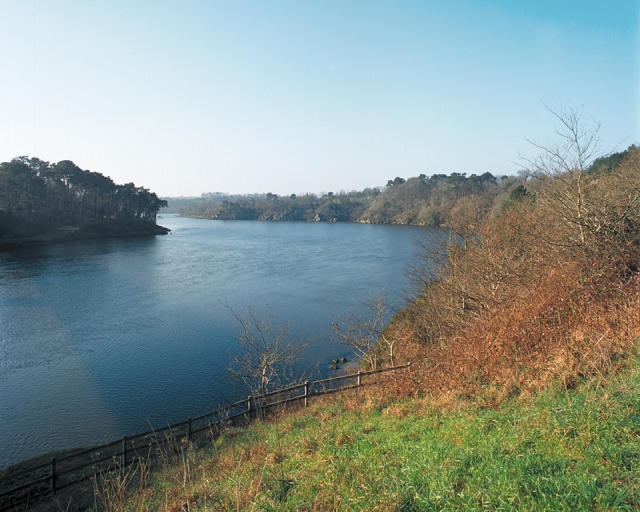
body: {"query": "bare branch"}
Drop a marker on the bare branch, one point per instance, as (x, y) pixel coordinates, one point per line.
(362, 332)
(266, 355)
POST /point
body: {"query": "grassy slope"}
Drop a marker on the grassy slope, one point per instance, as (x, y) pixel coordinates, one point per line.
(563, 450)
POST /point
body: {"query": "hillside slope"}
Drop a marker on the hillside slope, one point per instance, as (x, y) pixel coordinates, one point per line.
(575, 450)
(548, 291)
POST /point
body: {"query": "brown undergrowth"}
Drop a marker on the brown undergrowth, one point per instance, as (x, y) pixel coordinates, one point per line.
(549, 291)
(559, 334)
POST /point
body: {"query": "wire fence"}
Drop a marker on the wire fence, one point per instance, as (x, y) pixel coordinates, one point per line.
(30, 484)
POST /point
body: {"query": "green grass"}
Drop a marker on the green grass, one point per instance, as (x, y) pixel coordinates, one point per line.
(575, 450)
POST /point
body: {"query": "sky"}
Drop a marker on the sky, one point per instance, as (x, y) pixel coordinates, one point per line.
(309, 96)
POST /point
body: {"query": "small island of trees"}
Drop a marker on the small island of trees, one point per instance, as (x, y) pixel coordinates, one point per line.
(43, 202)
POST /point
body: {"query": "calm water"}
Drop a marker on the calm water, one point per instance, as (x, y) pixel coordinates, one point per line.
(107, 338)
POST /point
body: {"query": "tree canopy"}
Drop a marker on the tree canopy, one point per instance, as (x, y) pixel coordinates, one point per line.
(45, 195)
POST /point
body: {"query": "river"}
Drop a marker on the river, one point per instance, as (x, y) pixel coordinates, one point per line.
(100, 339)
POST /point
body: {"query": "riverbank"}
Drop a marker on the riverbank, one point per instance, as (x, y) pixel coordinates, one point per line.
(28, 237)
(572, 449)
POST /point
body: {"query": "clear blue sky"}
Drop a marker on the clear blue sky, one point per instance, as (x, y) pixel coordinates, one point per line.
(238, 96)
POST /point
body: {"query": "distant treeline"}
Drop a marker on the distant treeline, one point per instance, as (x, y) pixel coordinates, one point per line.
(427, 201)
(38, 198)
(455, 200)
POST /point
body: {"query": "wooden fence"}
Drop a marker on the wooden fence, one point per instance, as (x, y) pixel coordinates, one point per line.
(29, 484)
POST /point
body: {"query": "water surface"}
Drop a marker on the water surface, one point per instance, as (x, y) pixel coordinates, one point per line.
(100, 339)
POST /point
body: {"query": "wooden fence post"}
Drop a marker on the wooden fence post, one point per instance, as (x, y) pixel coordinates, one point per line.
(124, 451)
(53, 475)
(189, 431)
(306, 393)
(359, 379)
(249, 408)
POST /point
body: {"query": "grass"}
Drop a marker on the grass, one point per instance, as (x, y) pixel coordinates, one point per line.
(562, 450)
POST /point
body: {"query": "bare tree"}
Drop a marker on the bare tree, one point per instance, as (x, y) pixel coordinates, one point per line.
(599, 212)
(267, 354)
(363, 332)
(567, 162)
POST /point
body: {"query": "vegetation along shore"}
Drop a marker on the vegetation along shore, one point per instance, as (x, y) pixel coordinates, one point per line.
(45, 203)
(438, 200)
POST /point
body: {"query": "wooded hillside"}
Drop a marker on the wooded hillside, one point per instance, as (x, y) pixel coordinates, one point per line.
(436, 200)
(38, 199)
(548, 290)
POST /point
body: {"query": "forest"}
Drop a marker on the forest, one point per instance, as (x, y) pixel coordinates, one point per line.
(42, 201)
(436, 200)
